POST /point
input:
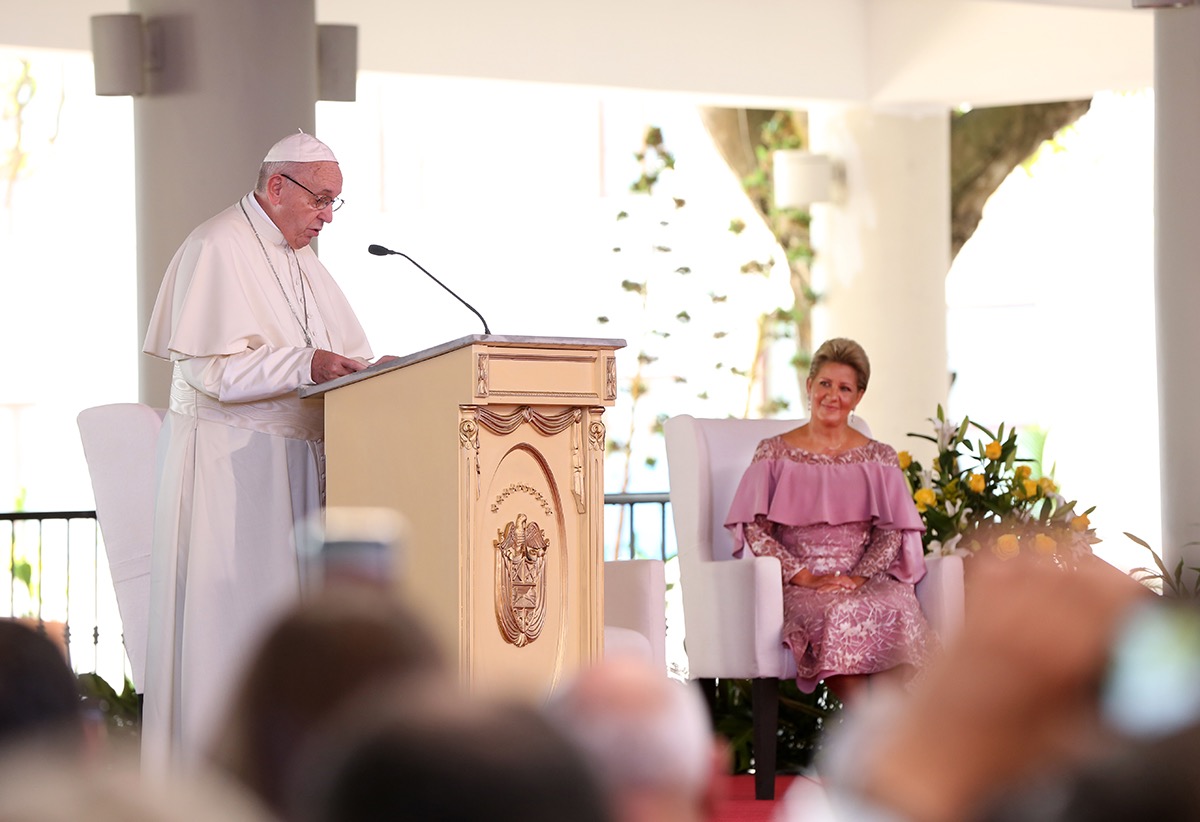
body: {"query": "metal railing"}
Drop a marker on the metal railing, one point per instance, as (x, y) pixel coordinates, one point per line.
(637, 522)
(57, 577)
(57, 574)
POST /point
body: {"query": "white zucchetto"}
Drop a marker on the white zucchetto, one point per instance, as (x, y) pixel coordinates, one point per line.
(300, 148)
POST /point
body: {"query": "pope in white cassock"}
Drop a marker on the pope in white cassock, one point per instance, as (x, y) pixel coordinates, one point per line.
(247, 314)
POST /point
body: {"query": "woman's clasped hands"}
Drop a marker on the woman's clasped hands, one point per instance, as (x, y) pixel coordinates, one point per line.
(826, 583)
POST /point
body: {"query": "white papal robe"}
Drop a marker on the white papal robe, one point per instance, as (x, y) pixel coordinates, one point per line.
(240, 461)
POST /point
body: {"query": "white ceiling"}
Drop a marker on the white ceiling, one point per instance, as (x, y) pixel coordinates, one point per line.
(880, 52)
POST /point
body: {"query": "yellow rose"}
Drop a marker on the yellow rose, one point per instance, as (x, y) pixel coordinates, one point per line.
(1006, 546)
(1023, 472)
(976, 483)
(1047, 485)
(1080, 523)
(925, 498)
(992, 451)
(1045, 545)
(905, 459)
(1030, 487)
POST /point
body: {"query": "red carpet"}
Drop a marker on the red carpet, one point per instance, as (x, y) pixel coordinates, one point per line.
(736, 802)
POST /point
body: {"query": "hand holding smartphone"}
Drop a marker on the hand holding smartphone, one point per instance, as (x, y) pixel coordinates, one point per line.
(1152, 686)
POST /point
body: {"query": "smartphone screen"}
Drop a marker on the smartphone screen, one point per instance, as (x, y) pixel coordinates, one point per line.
(1153, 683)
(353, 544)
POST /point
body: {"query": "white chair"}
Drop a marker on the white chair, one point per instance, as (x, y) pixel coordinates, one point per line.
(119, 444)
(635, 609)
(733, 608)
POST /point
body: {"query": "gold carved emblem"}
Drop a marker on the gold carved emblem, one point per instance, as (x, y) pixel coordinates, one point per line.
(481, 376)
(596, 435)
(521, 580)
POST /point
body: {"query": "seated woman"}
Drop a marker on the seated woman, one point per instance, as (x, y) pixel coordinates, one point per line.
(834, 508)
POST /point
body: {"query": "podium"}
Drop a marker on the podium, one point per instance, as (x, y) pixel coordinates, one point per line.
(492, 448)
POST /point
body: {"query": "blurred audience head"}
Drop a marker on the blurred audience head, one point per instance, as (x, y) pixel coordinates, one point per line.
(649, 738)
(447, 757)
(315, 659)
(48, 787)
(1147, 779)
(1009, 717)
(40, 702)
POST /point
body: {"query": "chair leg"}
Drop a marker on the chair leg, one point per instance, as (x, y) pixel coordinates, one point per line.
(764, 694)
(708, 687)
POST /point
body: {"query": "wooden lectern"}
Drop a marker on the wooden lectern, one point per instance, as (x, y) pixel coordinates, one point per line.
(492, 447)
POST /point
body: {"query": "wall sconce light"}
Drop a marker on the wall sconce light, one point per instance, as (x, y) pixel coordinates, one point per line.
(337, 62)
(803, 178)
(122, 49)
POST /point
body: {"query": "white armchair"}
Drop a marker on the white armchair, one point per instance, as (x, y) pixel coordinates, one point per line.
(733, 608)
(635, 609)
(119, 444)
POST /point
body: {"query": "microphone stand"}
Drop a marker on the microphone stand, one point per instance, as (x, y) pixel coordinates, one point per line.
(380, 251)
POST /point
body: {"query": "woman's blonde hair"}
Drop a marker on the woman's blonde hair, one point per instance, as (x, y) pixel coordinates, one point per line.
(845, 352)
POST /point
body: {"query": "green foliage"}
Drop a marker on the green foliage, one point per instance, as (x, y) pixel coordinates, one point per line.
(802, 718)
(648, 240)
(122, 713)
(784, 130)
(22, 571)
(654, 159)
(774, 406)
(780, 133)
(1163, 581)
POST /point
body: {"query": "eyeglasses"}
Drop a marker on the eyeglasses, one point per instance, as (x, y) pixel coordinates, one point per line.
(322, 202)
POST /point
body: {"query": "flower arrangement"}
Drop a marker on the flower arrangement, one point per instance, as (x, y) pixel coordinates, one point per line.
(979, 495)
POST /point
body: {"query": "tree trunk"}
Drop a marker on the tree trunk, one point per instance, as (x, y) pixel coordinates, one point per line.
(986, 144)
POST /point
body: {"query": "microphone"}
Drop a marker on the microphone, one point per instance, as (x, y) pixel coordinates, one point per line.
(380, 251)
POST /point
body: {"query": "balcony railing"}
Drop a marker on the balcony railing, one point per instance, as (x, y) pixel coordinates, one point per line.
(641, 526)
(57, 577)
(57, 574)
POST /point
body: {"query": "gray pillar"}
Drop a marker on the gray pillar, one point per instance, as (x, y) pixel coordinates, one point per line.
(235, 76)
(1177, 279)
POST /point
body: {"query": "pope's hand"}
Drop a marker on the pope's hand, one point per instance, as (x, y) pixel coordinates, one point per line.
(327, 366)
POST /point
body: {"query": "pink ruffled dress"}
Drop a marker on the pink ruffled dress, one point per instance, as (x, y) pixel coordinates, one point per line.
(850, 513)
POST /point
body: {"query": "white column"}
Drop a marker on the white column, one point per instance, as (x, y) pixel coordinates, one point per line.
(236, 75)
(883, 252)
(1177, 280)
